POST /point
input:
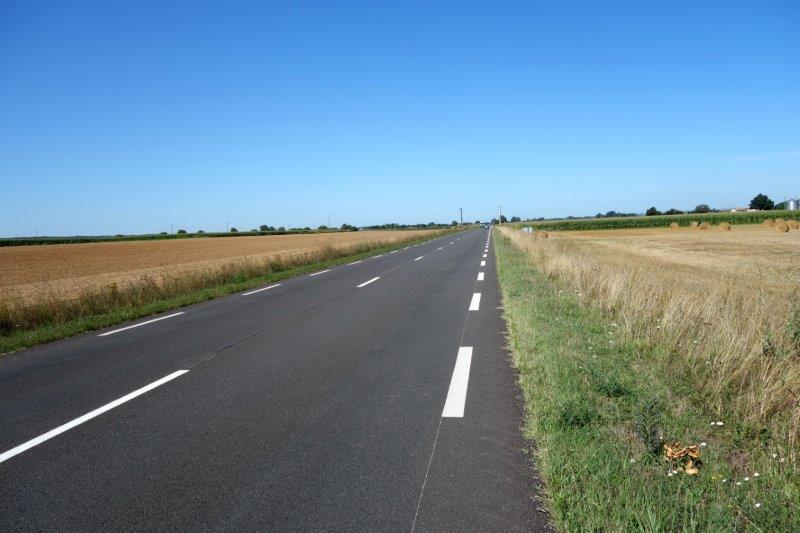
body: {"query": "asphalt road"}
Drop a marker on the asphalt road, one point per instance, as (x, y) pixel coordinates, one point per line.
(371, 396)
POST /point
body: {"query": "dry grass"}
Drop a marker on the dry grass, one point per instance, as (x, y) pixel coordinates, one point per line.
(724, 303)
(32, 274)
(109, 292)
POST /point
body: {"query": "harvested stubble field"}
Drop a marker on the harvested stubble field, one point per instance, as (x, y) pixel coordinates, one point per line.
(48, 292)
(634, 344)
(727, 302)
(33, 273)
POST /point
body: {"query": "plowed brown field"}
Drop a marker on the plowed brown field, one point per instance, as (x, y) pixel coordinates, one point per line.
(64, 270)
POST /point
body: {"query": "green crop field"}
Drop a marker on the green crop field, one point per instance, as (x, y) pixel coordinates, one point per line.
(751, 217)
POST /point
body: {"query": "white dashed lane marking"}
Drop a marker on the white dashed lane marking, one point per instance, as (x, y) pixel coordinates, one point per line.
(457, 393)
(262, 289)
(88, 416)
(140, 324)
(475, 304)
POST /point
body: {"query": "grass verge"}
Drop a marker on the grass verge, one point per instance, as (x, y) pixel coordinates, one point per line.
(29, 325)
(600, 406)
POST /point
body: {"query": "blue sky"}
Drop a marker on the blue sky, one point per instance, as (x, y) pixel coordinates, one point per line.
(129, 119)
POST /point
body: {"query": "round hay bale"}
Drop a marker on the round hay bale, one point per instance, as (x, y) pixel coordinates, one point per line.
(693, 224)
(782, 227)
(673, 225)
(769, 222)
(725, 226)
(704, 225)
(793, 224)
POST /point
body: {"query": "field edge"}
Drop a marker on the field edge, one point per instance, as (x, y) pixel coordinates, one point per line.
(82, 324)
(590, 394)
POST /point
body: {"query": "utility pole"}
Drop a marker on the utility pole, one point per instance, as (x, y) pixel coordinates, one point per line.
(226, 226)
(461, 214)
(329, 222)
(500, 217)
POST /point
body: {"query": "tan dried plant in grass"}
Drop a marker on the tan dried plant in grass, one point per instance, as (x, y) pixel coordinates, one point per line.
(693, 224)
(782, 227)
(745, 361)
(769, 222)
(704, 225)
(793, 224)
(673, 225)
(725, 226)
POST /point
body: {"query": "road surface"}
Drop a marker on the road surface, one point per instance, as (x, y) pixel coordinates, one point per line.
(374, 395)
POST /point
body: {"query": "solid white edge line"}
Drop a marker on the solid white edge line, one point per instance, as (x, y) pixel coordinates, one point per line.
(320, 272)
(88, 416)
(484, 255)
(480, 276)
(393, 252)
(140, 324)
(483, 263)
(457, 393)
(368, 282)
(354, 263)
(377, 256)
(439, 248)
(475, 304)
(261, 289)
(418, 258)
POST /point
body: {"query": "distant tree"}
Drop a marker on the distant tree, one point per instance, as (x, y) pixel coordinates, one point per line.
(163, 233)
(181, 231)
(254, 230)
(306, 229)
(477, 221)
(495, 221)
(323, 227)
(516, 219)
(200, 231)
(652, 211)
(762, 201)
(348, 227)
(234, 230)
(503, 219)
(454, 223)
(673, 211)
(702, 208)
(281, 228)
(263, 227)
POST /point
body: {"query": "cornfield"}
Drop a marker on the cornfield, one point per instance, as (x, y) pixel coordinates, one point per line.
(754, 217)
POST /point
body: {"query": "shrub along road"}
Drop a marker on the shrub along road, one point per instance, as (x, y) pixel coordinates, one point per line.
(374, 395)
